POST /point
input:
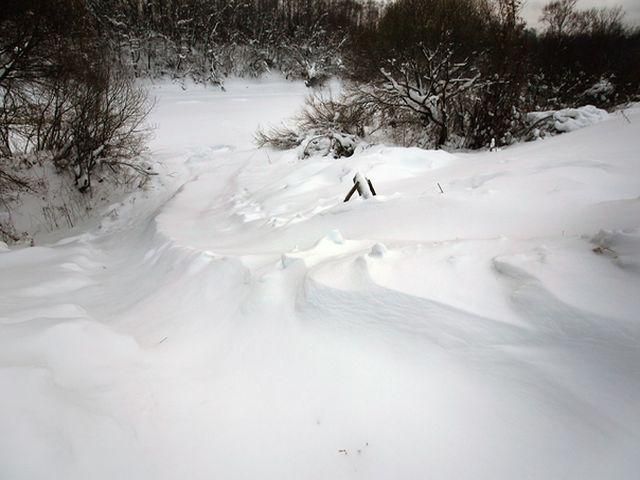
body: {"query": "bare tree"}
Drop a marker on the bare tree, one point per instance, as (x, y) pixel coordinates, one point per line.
(428, 87)
(600, 21)
(559, 16)
(315, 53)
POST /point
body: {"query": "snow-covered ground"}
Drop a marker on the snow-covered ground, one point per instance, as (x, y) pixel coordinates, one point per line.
(241, 322)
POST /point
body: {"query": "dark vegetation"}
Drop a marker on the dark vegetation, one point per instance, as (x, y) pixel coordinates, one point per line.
(461, 73)
(63, 100)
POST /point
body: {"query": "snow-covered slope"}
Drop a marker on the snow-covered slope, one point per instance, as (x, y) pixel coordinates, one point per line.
(252, 325)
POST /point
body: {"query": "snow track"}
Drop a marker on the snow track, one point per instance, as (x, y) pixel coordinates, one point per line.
(245, 323)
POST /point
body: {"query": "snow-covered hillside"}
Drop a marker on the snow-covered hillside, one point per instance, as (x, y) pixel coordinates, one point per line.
(241, 322)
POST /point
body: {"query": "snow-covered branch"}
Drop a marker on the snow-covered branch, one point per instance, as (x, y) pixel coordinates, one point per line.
(428, 86)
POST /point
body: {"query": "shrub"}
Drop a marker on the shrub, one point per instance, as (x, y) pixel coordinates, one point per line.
(61, 96)
(326, 125)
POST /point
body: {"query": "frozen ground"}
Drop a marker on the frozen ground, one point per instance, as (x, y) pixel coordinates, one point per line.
(241, 322)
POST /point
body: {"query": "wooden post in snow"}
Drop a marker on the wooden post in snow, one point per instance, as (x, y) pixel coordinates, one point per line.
(363, 186)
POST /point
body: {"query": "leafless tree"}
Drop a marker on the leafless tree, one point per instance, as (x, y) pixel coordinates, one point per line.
(600, 21)
(314, 53)
(559, 16)
(428, 87)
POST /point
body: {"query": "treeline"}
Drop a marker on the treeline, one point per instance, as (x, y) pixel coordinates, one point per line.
(464, 73)
(579, 57)
(588, 55)
(208, 40)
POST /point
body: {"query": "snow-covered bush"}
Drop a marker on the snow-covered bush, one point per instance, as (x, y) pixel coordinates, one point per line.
(564, 120)
(325, 126)
(68, 115)
(334, 144)
(430, 95)
(280, 137)
(601, 91)
(62, 100)
(344, 114)
(313, 54)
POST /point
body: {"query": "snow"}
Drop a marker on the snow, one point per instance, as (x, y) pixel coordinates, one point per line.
(240, 320)
(570, 119)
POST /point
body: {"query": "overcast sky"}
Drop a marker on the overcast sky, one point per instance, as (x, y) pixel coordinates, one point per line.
(532, 8)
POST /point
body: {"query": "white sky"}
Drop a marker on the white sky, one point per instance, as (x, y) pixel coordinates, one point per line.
(532, 8)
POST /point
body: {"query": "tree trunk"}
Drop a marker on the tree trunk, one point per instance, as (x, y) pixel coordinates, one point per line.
(443, 136)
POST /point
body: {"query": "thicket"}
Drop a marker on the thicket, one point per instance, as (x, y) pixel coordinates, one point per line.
(63, 101)
(463, 73)
(208, 40)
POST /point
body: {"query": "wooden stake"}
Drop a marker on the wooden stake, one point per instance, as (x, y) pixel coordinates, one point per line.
(351, 192)
(363, 186)
(373, 190)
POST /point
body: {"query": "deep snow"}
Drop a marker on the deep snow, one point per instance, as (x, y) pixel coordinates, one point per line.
(241, 321)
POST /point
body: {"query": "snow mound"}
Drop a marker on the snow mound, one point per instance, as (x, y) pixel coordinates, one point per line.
(569, 119)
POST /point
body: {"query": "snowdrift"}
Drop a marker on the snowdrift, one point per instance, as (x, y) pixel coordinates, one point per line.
(568, 119)
(245, 322)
